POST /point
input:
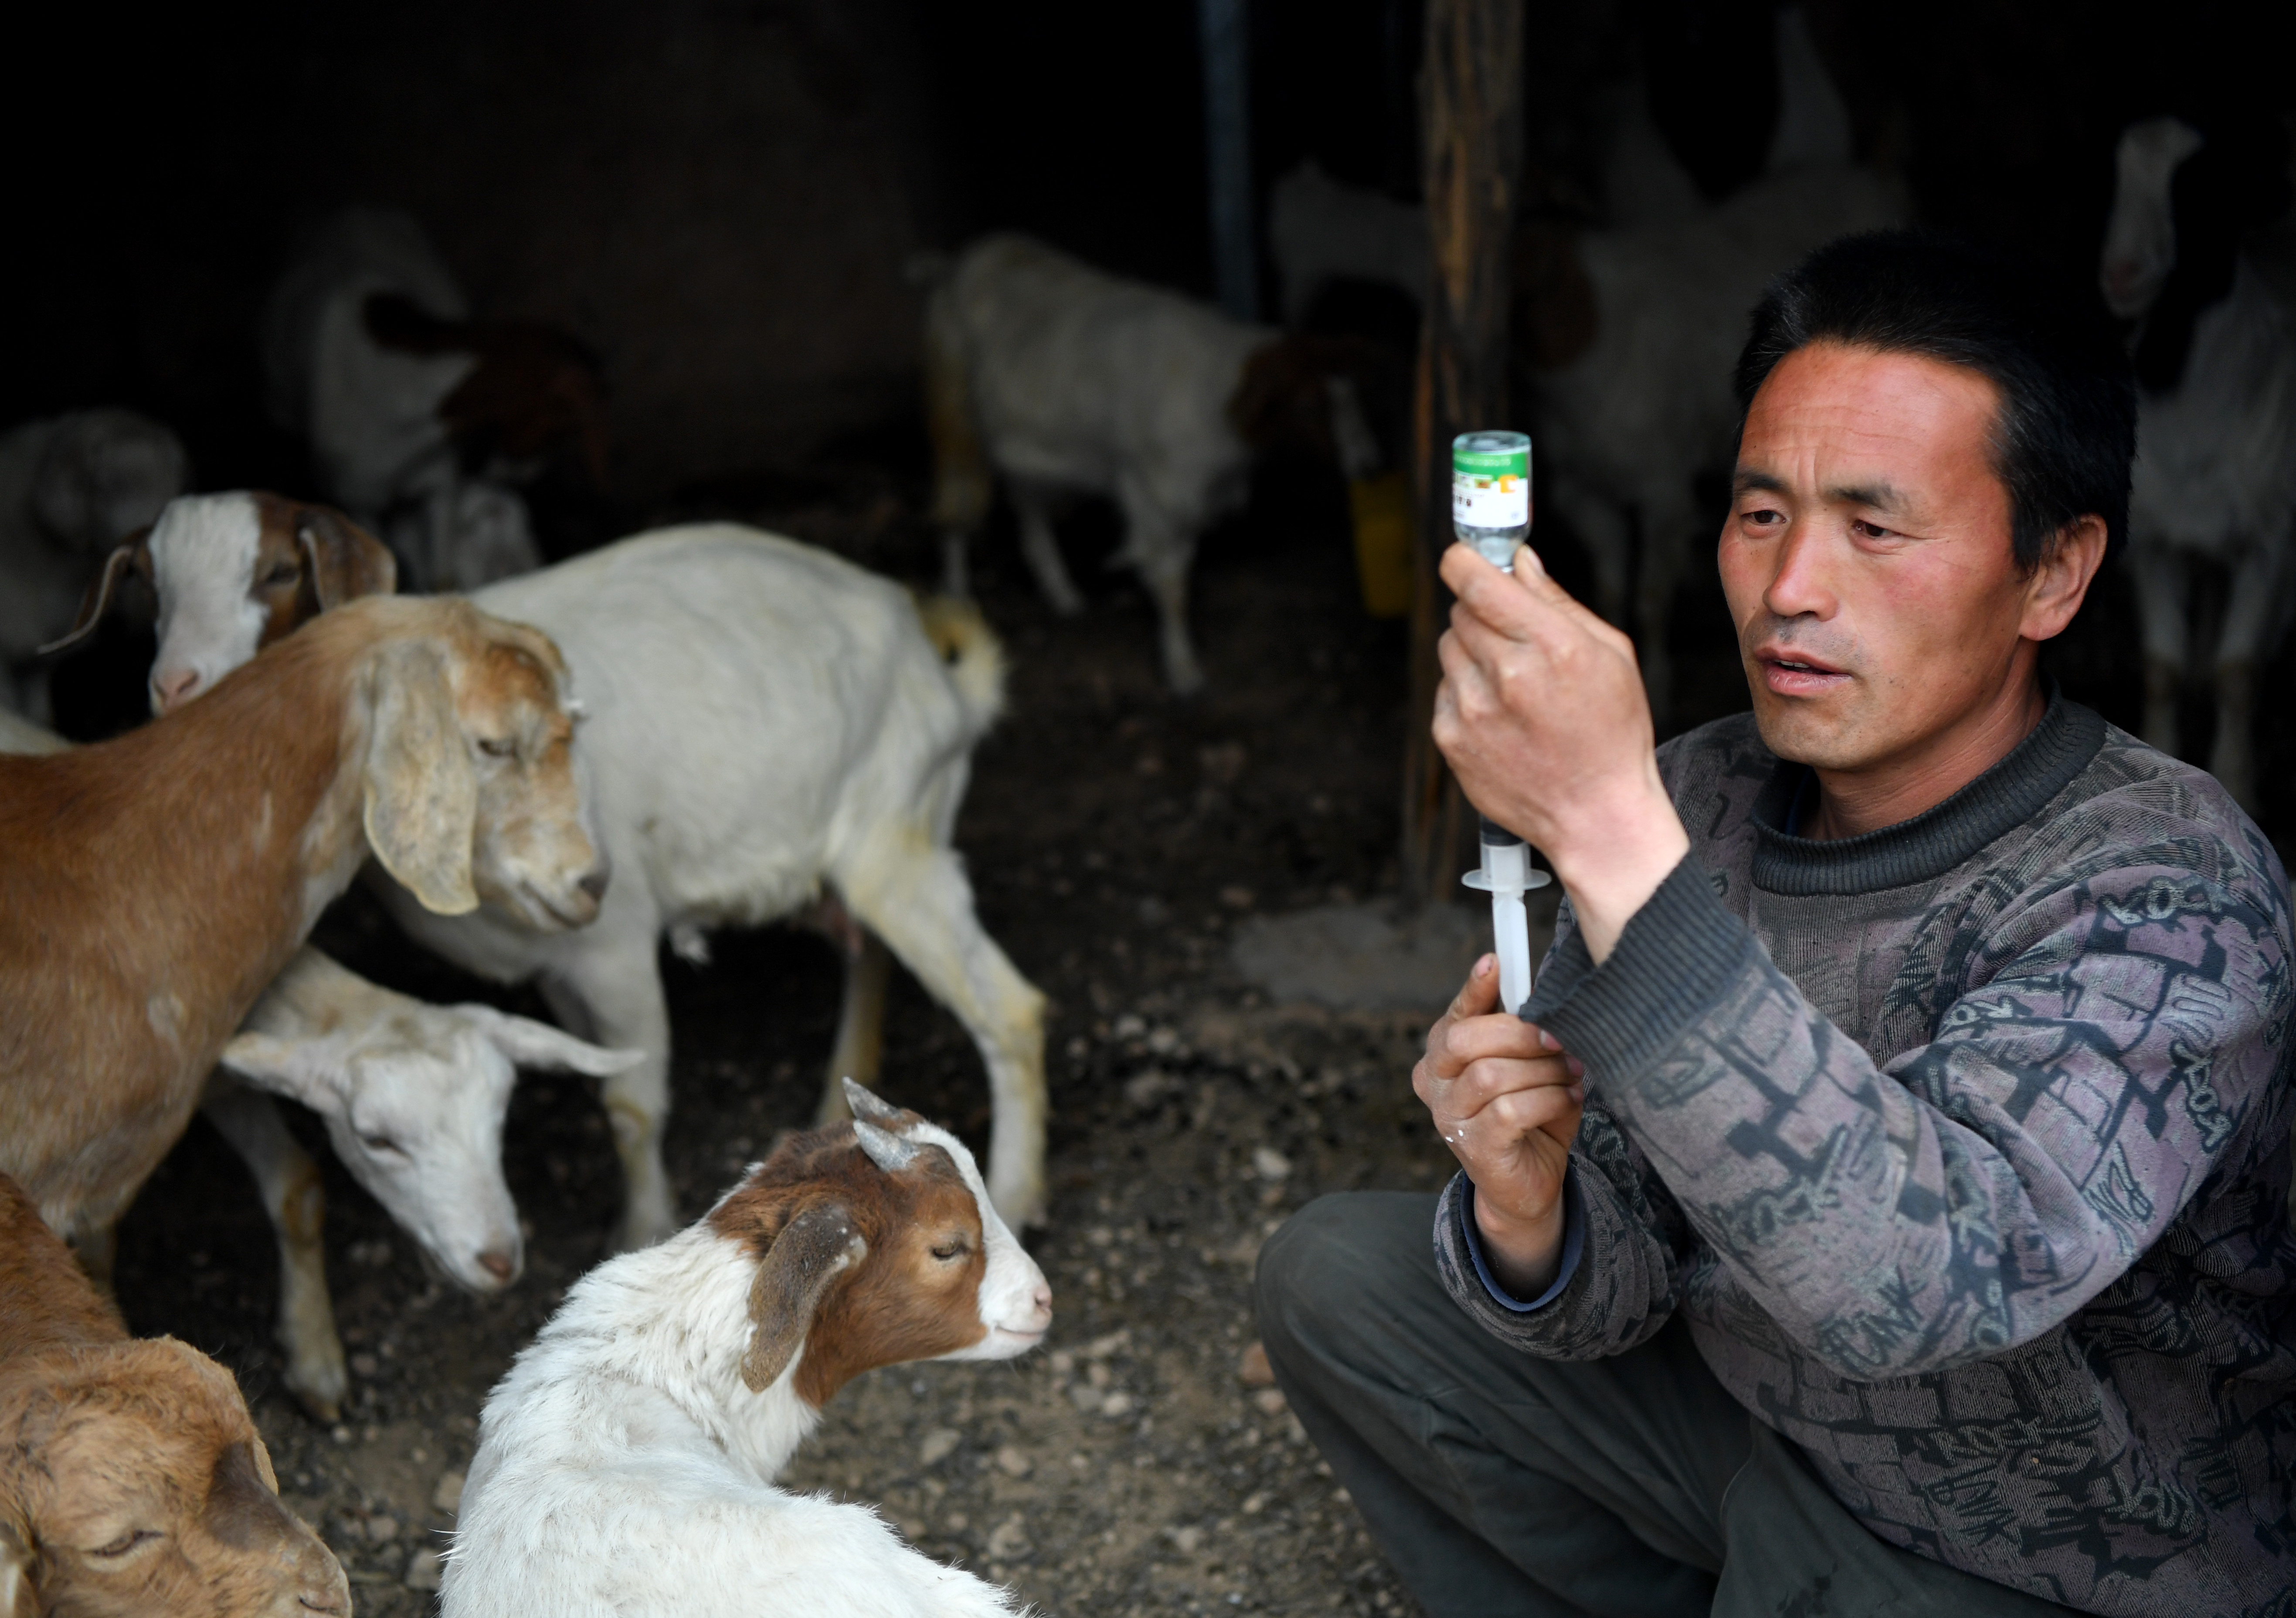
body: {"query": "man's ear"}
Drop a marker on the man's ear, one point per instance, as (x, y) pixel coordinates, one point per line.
(18, 1596)
(132, 554)
(421, 790)
(813, 1249)
(2059, 582)
(343, 560)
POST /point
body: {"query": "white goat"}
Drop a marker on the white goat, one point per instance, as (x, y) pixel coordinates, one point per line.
(1061, 379)
(625, 1464)
(1320, 231)
(412, 1096)
(763, 720)
(70, 488)
(370, 354)
(2215, 478)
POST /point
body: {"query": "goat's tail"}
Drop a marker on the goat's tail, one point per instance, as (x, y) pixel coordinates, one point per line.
(974, 654)
(963, 485)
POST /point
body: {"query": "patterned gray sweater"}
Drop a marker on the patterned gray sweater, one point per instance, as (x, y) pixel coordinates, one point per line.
(1963, 1146)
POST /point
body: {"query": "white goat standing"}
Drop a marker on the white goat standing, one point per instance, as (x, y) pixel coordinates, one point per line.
(2215, 476)
(372, 411)
(412, 1096)
(626, 1464)
(764, 719)
(1063, 380)
(1320, 231)
(70, 488)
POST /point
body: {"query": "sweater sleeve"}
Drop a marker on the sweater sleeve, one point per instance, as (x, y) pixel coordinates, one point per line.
(1964, 1199)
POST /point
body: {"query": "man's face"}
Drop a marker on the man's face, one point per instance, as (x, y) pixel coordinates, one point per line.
(1867, 555)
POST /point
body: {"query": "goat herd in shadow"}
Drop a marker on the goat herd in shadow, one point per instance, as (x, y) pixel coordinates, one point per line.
(542, 772)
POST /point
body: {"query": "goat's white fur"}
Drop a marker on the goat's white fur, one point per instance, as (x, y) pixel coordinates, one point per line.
(370, 413)
(70, 487)
(2215, 476)
(763, 718)
(625, 1468)
(1081, 383)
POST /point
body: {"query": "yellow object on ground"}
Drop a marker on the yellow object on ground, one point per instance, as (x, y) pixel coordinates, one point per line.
(1382, 509)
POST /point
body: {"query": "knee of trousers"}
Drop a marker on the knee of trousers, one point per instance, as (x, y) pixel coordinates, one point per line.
(1310, 1286)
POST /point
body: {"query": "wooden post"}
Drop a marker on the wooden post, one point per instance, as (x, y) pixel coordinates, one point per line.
(1471, 101)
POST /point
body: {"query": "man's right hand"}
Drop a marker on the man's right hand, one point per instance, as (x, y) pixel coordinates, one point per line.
(1506, 1099)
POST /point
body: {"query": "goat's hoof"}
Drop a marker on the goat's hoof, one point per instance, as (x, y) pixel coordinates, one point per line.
(319, 1387)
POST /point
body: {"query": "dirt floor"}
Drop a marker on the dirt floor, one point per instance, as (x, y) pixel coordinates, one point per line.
(1116, 840)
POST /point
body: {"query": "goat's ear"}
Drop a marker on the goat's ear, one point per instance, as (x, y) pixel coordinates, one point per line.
(421, 790)
(283, 1067)
(132, 552)
(532, 1044)
(343, 560)
(17, 1598)
(813, 1249)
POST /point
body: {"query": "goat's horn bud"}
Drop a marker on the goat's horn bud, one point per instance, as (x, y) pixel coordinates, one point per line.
(864, 1104)
(886, 1149)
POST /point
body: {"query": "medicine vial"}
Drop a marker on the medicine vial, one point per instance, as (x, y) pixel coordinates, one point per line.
(1490, 493)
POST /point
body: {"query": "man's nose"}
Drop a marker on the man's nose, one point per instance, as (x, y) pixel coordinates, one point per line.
(170, 686)
(1800, 586)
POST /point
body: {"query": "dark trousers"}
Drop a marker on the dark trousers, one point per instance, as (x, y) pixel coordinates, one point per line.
(1499, 1483)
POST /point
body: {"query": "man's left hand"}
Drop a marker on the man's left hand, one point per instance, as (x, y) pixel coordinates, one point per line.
(1543, 718)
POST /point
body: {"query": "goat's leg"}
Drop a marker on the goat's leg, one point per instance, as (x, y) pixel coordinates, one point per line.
(1040, 548)
(955, 577)
(912, 894)
(2163, 619)
(1163, 552)
(619, 986)
(2251, 612)
(860, 1049)
(297, 1203)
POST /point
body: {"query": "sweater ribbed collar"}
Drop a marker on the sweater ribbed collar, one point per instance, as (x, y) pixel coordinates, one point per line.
(1937, 840)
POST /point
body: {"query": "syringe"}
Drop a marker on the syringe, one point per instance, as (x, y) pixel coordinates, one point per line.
(1490, 510)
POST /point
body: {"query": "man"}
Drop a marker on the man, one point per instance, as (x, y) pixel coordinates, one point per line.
(1880, 1206)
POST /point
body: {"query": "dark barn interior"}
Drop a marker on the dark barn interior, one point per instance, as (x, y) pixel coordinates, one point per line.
(735, 206)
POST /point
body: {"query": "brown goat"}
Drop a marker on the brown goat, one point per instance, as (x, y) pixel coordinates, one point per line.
(132, 1481)
(152, 886)
(531, 387)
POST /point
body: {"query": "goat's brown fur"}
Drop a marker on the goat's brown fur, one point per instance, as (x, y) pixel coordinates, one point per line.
(150, 887)
(104, 1438)
(532, 386)
(308, 557)
(1281, 400)
(900, 1302)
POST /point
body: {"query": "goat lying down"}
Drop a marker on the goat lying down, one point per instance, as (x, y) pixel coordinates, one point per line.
(765, 721)
(412, 1097)
(138, 929)
(131, 1480)
(625, 1466)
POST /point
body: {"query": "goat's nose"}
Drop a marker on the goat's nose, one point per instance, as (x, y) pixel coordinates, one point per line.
(170, 686)
(593, 880)
(499, 1263)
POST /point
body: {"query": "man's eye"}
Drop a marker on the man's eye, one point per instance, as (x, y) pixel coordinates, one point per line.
(1868, 530)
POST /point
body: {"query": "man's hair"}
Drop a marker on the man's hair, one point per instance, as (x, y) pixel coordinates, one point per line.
(2066, 431)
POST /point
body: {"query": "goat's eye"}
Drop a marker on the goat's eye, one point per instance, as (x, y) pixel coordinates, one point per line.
(955, 1248)
(496, 747)
(285, 572)
(382, 1143)
(126, 1542)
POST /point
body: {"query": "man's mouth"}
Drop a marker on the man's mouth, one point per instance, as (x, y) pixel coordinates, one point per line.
(1792, 674)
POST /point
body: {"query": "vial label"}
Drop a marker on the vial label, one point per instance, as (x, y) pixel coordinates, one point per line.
(1490, 500)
